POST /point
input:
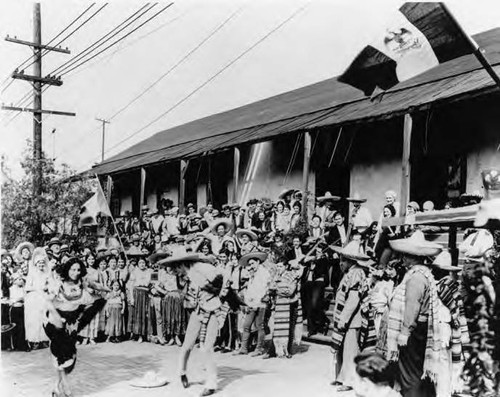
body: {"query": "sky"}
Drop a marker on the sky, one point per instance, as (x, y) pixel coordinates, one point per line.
(299, 43)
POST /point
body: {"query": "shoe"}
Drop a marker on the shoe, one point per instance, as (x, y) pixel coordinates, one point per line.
(184, 381)
(257, 353)
(171, 342)
(178, 341)
(140, 340)
(240, 353)
(336, 383)
(92, 342)
(207, 392)
(344, 388)
(267, 356)
(161, 341)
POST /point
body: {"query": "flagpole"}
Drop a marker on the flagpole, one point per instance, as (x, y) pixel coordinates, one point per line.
(112, 219)
(475, 48)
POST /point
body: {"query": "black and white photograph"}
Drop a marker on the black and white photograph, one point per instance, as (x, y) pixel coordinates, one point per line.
(242, 198)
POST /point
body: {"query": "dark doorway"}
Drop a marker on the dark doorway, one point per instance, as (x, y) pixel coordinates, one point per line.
(219, 174)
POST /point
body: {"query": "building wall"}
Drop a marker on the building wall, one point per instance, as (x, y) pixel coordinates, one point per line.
(371, 181)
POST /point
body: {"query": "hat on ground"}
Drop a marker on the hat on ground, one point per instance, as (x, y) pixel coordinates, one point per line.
(356, 198)
(149, 380)
(328, 197)
(259, 255)
(443, 262)
(240, 232)
(23, 245)
(222, 221)
(416, 245)
(54, 241)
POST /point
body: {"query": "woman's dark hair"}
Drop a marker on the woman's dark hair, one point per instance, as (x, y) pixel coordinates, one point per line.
(112, 257)
(205, 243)
(287, 206)
(297, 204)
(391, 208)
(64, 268)
(99, 260)
(316, 216)
(89, 254)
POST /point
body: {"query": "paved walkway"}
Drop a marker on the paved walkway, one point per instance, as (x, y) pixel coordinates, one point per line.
(106, 370)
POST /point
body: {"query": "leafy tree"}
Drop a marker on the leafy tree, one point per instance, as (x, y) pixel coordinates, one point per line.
(54, 212)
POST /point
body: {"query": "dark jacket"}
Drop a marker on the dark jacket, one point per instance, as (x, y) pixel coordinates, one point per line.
(318, 268)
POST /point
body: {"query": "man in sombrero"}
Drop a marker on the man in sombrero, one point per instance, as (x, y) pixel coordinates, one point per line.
(347, 318)
(208, 316)
(217, 232)
(410, 335)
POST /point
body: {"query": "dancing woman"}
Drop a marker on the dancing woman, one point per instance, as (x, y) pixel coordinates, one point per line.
(69, 308)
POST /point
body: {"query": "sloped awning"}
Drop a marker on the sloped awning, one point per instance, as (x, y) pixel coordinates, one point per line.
(325, 103)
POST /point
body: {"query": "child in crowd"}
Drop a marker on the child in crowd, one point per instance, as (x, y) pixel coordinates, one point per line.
(17, 295)
(115, 308)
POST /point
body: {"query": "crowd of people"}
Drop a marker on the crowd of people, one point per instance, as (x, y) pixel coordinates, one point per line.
(394, 293)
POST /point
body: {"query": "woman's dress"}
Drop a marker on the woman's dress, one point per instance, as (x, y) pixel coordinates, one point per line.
(34, 304)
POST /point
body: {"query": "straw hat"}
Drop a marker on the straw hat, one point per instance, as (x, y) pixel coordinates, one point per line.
(149, 380)
(416, 245)
(54, 241)
(23, 245)
(328, 197)
(181, 256)
(158, 255)
(222, 221)
(476, 244)
(353, 250)
(259, 255)
(240, 232)
(443, 262)
(356, 198)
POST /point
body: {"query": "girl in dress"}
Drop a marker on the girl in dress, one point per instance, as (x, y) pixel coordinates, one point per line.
(67, 309)
(139, 289)
(37, 284)
(174, 315)
(89, 333)
(16, 312)
(115, 308)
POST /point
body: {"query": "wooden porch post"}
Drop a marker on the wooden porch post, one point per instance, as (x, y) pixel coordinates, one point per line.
(109, 189)
(236, 173)
(182, 185)
(305, 172)
(143, 187)
(406, 166)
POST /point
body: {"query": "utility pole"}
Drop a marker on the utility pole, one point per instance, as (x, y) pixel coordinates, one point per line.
(104, 122)
(37, 81)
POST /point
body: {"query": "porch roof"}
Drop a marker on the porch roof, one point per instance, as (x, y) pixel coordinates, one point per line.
(328, 102)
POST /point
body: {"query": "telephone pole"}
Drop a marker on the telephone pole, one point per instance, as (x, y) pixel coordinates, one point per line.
(37, 82)
(104, 122)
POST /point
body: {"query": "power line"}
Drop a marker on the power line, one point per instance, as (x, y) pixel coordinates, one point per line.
(54, 38)
(117, 41)
(213, 77)
(91, 47)
(178, 63)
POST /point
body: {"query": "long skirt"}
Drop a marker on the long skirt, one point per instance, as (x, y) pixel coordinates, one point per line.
(34, 316)
(63, 340)
(345, 358)
(18, 334)
(411, 365)
(114, 324)
(140, 313)
(283, 332)
(174, 314)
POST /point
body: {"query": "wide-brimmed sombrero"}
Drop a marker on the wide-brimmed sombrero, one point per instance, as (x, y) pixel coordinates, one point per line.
(249, 233)
(158, 255)
(259, 255)
(353, 250)
(328, 197)
(222, 221)
(356, 198)
(416, 245)
(443, 261)
(185, 257)
(23, 245)
(149, 380)
(287, 192)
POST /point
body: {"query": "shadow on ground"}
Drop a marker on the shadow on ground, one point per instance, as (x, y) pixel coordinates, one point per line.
(227, 375)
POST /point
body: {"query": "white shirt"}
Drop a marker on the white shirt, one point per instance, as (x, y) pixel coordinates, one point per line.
(257, 288)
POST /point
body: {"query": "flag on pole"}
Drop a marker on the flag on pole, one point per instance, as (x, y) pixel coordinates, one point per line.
(96, 205)
(418, 37)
